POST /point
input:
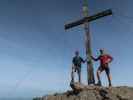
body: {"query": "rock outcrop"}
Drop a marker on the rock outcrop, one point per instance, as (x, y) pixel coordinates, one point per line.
(81, 92)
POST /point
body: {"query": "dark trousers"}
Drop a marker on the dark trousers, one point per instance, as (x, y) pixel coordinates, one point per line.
(78, 70)
(107, 70)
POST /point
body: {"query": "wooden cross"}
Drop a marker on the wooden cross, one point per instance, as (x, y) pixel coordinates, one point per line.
(85, 21)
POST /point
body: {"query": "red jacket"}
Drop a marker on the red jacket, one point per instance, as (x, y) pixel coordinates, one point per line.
(104, 59)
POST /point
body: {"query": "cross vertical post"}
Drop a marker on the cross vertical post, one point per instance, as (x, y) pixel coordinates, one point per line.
(90, 72)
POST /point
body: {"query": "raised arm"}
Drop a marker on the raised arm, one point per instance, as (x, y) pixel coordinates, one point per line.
(82, 60)
(95, 59)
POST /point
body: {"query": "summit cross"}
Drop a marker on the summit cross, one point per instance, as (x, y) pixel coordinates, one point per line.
(85, 21)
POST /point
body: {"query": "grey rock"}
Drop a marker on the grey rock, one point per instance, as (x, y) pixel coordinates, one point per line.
(82, 92)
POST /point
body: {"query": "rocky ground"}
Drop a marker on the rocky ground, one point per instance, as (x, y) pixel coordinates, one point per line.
(81, 92)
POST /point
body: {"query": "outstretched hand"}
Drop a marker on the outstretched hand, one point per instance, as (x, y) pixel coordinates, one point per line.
(91, 57)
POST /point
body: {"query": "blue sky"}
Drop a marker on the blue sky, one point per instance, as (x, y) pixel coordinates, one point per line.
(36, 52)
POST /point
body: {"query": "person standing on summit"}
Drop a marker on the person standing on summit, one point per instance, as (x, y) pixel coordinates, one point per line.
(76, 66)
(104, 59)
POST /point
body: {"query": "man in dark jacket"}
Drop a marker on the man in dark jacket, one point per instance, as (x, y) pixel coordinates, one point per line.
(76, 66)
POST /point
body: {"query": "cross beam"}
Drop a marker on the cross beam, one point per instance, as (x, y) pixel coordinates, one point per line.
(88, 19)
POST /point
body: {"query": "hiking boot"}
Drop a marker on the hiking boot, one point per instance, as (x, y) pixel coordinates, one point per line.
(72, 81)
(99, 83)
(110, 85)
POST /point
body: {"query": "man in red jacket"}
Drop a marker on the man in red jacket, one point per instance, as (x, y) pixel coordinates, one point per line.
(104, 59)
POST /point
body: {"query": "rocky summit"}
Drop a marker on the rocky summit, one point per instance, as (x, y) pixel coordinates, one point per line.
(81, 92)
